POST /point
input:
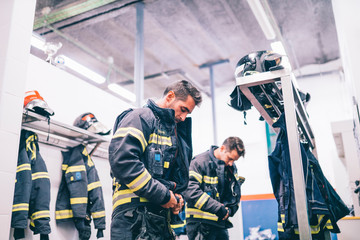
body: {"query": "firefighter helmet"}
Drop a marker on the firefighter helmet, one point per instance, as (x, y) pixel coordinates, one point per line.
(89, 122)
(256, 62)
(34, 102)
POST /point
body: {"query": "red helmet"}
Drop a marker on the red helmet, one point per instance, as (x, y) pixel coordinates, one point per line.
(34, 102)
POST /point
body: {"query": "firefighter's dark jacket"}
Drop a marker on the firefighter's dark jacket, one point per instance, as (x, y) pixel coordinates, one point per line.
(32, 189)
(143, 138)
(207, 194)
(80, 195)
(325, 207)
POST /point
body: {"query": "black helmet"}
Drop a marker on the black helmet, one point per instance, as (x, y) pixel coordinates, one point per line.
(260, 61)
(89, 122)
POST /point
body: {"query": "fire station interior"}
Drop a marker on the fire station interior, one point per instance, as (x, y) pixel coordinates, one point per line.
(103, 57)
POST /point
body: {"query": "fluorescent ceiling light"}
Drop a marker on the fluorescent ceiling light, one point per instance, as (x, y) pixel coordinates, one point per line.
(262, 19)
(68, 62)
(116, 88)
(38, 42)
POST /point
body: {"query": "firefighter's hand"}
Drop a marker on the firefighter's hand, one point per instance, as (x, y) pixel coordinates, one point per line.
(227, 214)
(171, 203)
(180, 203)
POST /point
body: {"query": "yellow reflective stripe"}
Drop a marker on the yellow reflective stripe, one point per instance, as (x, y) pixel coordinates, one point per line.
(89, 162)
(122, 132)
(124, 196)
(40, 175)
(166, 164)
(20, 207)
(23, 167)
(280, 227)
(40, 214)
(139, 181)
(314, 228)
(201, 201)
(99, 214)
(329, 225)
(30, 140)
(127, 200)
(239, 178)
(63, 214)
(178, 225)
(78, 200)
(210, 180)
(282, 218)
(196, 175)
(161, 140)
(75, 169)
(196, 213)
(94, 185)
(64, 167)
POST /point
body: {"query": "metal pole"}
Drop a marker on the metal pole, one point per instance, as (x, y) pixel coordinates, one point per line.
(139, 54)
(295, 159)
(212, 86)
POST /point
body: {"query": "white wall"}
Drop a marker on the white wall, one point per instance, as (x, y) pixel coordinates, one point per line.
(69, 97)
(16, 19)
(329, 102)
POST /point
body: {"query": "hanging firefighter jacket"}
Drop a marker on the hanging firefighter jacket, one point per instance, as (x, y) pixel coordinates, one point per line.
(32, 190)
(325, 207)
(80, 196)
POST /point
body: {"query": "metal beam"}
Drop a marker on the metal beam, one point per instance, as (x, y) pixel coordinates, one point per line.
(295, 159)
(139, 54)
(69, 11)
(212, 86)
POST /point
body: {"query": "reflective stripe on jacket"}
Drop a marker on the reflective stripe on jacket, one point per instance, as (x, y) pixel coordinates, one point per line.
(205, 192)
(142, 137)
(32, 188)
(80, 193)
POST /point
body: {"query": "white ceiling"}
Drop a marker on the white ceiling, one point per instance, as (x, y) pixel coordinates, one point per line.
(181, 35)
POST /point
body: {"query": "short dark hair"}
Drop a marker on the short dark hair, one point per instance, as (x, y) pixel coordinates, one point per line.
(183, 89)
(235, 143)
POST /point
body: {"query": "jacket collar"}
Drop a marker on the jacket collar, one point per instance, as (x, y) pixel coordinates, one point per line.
(212, 156)
(166, 115)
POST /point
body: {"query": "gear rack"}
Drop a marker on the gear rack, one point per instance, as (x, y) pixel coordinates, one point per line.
(297, 124)
(60, 135)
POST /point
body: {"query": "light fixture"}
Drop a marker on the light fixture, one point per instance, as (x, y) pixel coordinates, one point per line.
(116, 88)
(38, 42)
(77, 67)
(262, 19)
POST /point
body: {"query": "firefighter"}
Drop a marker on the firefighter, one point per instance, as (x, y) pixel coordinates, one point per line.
(149, 156)
(213, 193)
